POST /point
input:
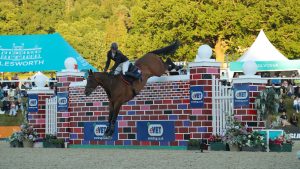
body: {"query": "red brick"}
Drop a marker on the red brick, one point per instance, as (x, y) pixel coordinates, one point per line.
(178, 123)
(153, 117)
(126, 107)
(253, 112)
(183, 130)
(201, 117)
(174, 106)
(145, 118)
(122, 136)
(154, 143)
(119, 142)
(131, 123)
(174, 143)
(77, 130)
(157, 101)
(192, 129)
(192, 71)
(246, 118)
(145, 143)
(136, 117)
(206, 135)
(178, 136)
(135, 142)
(177, 101)
(206, 123)
(167, 101)
(163, 117)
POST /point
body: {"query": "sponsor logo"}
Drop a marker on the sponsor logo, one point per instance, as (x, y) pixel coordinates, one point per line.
(21, 56)
(62, 100)
(197, 96)
(99, 129)
(241, 94)
(295, 135)
(33, 102)
(155, 130)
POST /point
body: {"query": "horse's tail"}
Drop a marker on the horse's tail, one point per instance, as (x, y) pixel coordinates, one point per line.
(171, 49)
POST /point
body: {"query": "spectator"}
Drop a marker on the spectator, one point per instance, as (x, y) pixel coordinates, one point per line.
(296, 105)
(1, 93)
(223, 79)
(15, 84)
(290, 90)
(297, 91)
(284, 118)
(236, 75)
(13, 110)
(294, 120)
(6, 85)
(51, 84)
(11, 94)
(28, 85)
(281, 108)
(6, 105)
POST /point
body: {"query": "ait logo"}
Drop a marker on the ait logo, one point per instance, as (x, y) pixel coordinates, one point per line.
(62, 101)
(99, 129)
(241, 94)
(197, 96)
(155, 130)
(33, 102)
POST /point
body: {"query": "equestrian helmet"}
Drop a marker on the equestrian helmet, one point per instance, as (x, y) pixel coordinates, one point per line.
(114, 46)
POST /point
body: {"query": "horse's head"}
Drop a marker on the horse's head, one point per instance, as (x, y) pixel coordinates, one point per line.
(91, 83)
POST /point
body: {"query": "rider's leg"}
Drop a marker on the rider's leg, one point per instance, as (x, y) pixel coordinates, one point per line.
(118, 69)
(125, 66)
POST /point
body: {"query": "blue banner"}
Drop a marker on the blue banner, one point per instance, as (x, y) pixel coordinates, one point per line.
(33, 103)
(196, 97)
(155, 131)
(95, 131)
(241, 95)
(62, 102)
(24, 53)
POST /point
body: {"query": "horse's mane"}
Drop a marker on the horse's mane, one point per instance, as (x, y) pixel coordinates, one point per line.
(167, 50)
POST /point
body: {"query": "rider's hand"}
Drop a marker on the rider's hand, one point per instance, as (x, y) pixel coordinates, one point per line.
(111, 73)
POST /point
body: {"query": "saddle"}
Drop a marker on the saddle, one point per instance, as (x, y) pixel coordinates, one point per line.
(132, 74)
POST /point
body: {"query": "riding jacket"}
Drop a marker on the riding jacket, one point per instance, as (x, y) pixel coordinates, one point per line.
(118, 58)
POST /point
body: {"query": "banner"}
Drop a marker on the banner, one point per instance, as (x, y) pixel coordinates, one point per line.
(155, 131)
(268, 65)
(62, 102)
(95, 131)
(241, 95)
(25, 53)
(33, 102)
(196, 97)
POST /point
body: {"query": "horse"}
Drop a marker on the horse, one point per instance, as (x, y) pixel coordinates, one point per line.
(118, 92)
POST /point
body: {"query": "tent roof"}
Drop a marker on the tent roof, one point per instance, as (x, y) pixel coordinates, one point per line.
(24, 53)
(262, 50)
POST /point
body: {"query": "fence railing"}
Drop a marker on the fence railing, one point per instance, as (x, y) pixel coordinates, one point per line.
(51, 115)
(222, 105)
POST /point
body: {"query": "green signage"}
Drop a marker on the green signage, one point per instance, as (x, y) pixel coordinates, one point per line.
(268, 65)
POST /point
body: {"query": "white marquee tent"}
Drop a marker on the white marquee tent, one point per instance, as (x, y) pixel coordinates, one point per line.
(262, 50)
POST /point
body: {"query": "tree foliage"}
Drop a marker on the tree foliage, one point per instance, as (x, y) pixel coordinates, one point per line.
(139, 26)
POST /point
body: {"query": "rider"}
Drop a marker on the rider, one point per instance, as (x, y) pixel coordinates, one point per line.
(121, 61)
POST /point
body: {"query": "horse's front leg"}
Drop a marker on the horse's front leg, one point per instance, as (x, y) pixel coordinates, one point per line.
(111, 112)
(116, 109)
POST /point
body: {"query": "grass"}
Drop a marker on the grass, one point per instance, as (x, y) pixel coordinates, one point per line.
(7, 120)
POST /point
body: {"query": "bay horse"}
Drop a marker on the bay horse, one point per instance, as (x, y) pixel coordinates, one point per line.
(118, 92)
